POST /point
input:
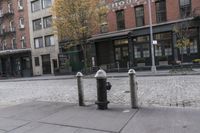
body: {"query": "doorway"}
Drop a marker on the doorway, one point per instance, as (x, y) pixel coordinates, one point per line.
(46, 64)
(122, 56)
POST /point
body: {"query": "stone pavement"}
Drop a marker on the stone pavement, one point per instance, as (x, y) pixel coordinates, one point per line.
(181, 91)
(48, 117)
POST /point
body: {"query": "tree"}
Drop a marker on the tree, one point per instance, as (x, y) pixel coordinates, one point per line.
(77, 20)
(182, 30)
(182, 33)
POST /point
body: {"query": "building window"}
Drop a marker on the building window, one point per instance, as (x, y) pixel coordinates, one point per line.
(10, 8)
(23, 42)
(49, 40)
(21, 23)
(46, 3)
(104, 24)
(35, 5)
(4, 45)
(141, 47)
(139, 16)
(160, 11)
(164, 46)
(37, 61)
(38, 42)
(37, 24)
(185, 8)
(120, 20)
(20, 5)
(47, 21)
(14, 44)
(193, 48)
(12, 29)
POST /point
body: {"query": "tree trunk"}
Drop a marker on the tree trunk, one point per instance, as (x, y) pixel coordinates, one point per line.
(182, 55)
(84, 49)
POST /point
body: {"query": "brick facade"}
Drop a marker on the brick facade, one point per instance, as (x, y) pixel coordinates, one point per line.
(15, 16)
(172, 8)
(131, 47)
(15, 48)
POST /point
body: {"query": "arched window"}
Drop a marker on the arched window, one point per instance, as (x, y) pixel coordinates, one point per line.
(20, 5)
(21, 23)
(14, 44)
(23, 42)
(12, 26)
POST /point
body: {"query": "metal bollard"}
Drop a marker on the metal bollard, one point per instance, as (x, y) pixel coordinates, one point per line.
(102, 101)
(133, 88)
(79, 76)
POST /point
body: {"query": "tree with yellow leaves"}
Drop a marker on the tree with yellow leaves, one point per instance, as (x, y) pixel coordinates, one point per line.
(77, 20)
(182, 32)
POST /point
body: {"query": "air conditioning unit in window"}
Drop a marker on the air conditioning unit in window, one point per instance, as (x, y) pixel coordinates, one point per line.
(21, 26)
(21, 7)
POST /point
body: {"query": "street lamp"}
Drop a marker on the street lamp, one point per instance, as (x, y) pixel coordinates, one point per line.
(153, 67)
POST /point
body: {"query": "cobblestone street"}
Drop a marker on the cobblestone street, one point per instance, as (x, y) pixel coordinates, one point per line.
(183, 91)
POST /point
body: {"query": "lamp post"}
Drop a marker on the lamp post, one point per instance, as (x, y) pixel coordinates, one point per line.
(153, 67)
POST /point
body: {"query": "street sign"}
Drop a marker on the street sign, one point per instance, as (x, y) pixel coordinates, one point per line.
(155, 42)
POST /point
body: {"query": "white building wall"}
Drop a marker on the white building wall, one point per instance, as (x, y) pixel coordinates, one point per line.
(51, 50)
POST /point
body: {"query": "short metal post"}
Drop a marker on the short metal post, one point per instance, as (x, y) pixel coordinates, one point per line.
(102, 101)
(79, 76)
(133, 88)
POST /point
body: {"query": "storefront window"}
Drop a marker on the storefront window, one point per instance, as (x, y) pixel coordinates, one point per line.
(193, 47)
(164, 46)
(193, 40)
(141, 47)
(117, 53)
(137, 51)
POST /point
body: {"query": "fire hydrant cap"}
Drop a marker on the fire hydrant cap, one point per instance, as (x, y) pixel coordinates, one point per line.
(131, 71)
(101, 74)
(79, 74)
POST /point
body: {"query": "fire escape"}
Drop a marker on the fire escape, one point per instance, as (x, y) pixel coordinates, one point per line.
(7, 30)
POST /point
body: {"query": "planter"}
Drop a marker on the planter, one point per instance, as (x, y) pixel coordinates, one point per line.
(140, 64)
(163, 63)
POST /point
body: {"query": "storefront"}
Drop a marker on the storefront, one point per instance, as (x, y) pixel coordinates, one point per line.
(132, 49)
(15, 63)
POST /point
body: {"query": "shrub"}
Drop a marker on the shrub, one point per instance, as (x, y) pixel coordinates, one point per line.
(196, 60)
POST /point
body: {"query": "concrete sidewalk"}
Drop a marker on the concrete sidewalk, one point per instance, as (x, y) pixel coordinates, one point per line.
(109, 75)
(46, 117)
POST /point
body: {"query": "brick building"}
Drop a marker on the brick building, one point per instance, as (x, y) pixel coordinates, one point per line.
(15, 50)
(123, 39)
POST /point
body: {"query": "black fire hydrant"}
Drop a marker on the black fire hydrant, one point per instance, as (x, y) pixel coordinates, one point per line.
(102, 87)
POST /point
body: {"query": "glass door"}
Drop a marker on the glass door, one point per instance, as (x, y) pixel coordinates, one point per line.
(122, 56)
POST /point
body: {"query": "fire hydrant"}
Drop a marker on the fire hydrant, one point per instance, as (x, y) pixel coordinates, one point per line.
(102, 87)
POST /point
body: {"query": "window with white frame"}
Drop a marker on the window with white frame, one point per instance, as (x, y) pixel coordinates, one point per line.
(4, 45)
(1, 13)
(20, 5)
(38, 42)
(37, 24)
(14, 44)
(49, 40)
(46, 3)
(35, 5)
(11, 27)
(23, 42)
(21, 23)
(10, 7)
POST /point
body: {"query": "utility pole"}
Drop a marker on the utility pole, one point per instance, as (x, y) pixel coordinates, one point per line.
(153, 67)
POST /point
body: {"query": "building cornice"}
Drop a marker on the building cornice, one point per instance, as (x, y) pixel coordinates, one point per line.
(14, 51)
